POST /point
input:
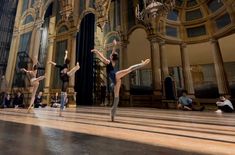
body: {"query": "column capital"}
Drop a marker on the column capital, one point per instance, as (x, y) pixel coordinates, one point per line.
(39, 23)
(162, 42)
(74, 34)
(124, 43)
(183, 45)
(213, 40)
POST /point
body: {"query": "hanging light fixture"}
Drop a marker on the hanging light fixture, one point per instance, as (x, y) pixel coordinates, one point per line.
(154, 8)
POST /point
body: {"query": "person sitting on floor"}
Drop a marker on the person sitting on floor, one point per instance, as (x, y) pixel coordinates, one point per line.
(186, 103)
(224, 105)
(18, 100)
(55, 101)
(8, 101)
(38, 101)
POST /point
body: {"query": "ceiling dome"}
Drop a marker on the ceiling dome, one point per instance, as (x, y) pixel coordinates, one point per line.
(199, 20)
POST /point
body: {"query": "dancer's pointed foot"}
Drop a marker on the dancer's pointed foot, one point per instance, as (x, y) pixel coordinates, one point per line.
(77, 65)
(145, 62)
(112, 118)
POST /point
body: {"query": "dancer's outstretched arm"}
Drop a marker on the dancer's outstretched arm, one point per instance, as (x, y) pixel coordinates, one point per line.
(102, 57)
(52, 63)
(66, 55)
(26, 71)
(114, 46)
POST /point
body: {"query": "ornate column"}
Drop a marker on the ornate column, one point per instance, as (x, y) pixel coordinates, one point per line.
(221, 77)
(14, 45)
(37, 39)
(10, 71)
(164, 65)
(156, 65)
(72, 61)
(188, 80)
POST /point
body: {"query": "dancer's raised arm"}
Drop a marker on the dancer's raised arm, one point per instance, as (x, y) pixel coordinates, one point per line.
(26, 71)
(52, 63)
(114, 47)
(102, 57)
(66, 55)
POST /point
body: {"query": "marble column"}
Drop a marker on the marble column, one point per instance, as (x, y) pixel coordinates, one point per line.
(156, 65)
(37, 39)
(163, 56)
(73, 61)
(14, 45)
(221, 77)
(10, 71)
(188, 80)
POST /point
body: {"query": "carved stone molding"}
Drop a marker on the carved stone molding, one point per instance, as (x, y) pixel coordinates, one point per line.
(102, 8)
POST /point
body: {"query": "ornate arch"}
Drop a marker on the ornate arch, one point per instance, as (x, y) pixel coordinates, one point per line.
(83, 14)
(132, 29)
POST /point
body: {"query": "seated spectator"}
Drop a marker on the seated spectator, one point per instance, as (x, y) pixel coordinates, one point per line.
(18, 100)
(55, 101)
(224, 105)
(8, 101)
(38, 101)
(186, 103)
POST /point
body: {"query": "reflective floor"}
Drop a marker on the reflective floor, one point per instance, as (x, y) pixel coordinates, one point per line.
(137, 131)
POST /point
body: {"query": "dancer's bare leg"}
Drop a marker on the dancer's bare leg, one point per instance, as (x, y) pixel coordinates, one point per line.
(120, 74)
(73, 70)
(116, 98)
(35, 88)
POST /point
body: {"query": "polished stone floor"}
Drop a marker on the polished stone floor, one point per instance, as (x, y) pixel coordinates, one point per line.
(137, 131)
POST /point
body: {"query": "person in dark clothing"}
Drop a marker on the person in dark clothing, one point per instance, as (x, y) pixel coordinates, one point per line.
(116, 75)
(224, 105)
(3, 90)
(18, 100)
(38, 101)
(8, 101)
(64, 77)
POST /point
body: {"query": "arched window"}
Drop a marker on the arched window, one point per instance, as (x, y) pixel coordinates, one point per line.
(28, 19)
(63, 29)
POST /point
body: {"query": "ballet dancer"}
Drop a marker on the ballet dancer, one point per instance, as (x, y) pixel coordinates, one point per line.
(64, 77)
(116, 76)
(34, 81)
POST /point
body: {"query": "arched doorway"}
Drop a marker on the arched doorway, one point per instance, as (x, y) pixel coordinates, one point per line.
(84, 77)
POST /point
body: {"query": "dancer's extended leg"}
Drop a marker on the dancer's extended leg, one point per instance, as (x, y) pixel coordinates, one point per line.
(62, 102)
(35, 88)
(73, 70)
(120, 74)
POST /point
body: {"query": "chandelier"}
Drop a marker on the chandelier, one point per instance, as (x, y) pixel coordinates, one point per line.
(154, 8)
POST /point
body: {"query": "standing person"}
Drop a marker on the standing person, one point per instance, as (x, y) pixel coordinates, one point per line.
(3, 90)
(34, 81)
(64, 77)
(115, 75)
(224, 105)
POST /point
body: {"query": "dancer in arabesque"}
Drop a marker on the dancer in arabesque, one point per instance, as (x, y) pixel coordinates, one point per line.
(115, 75)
